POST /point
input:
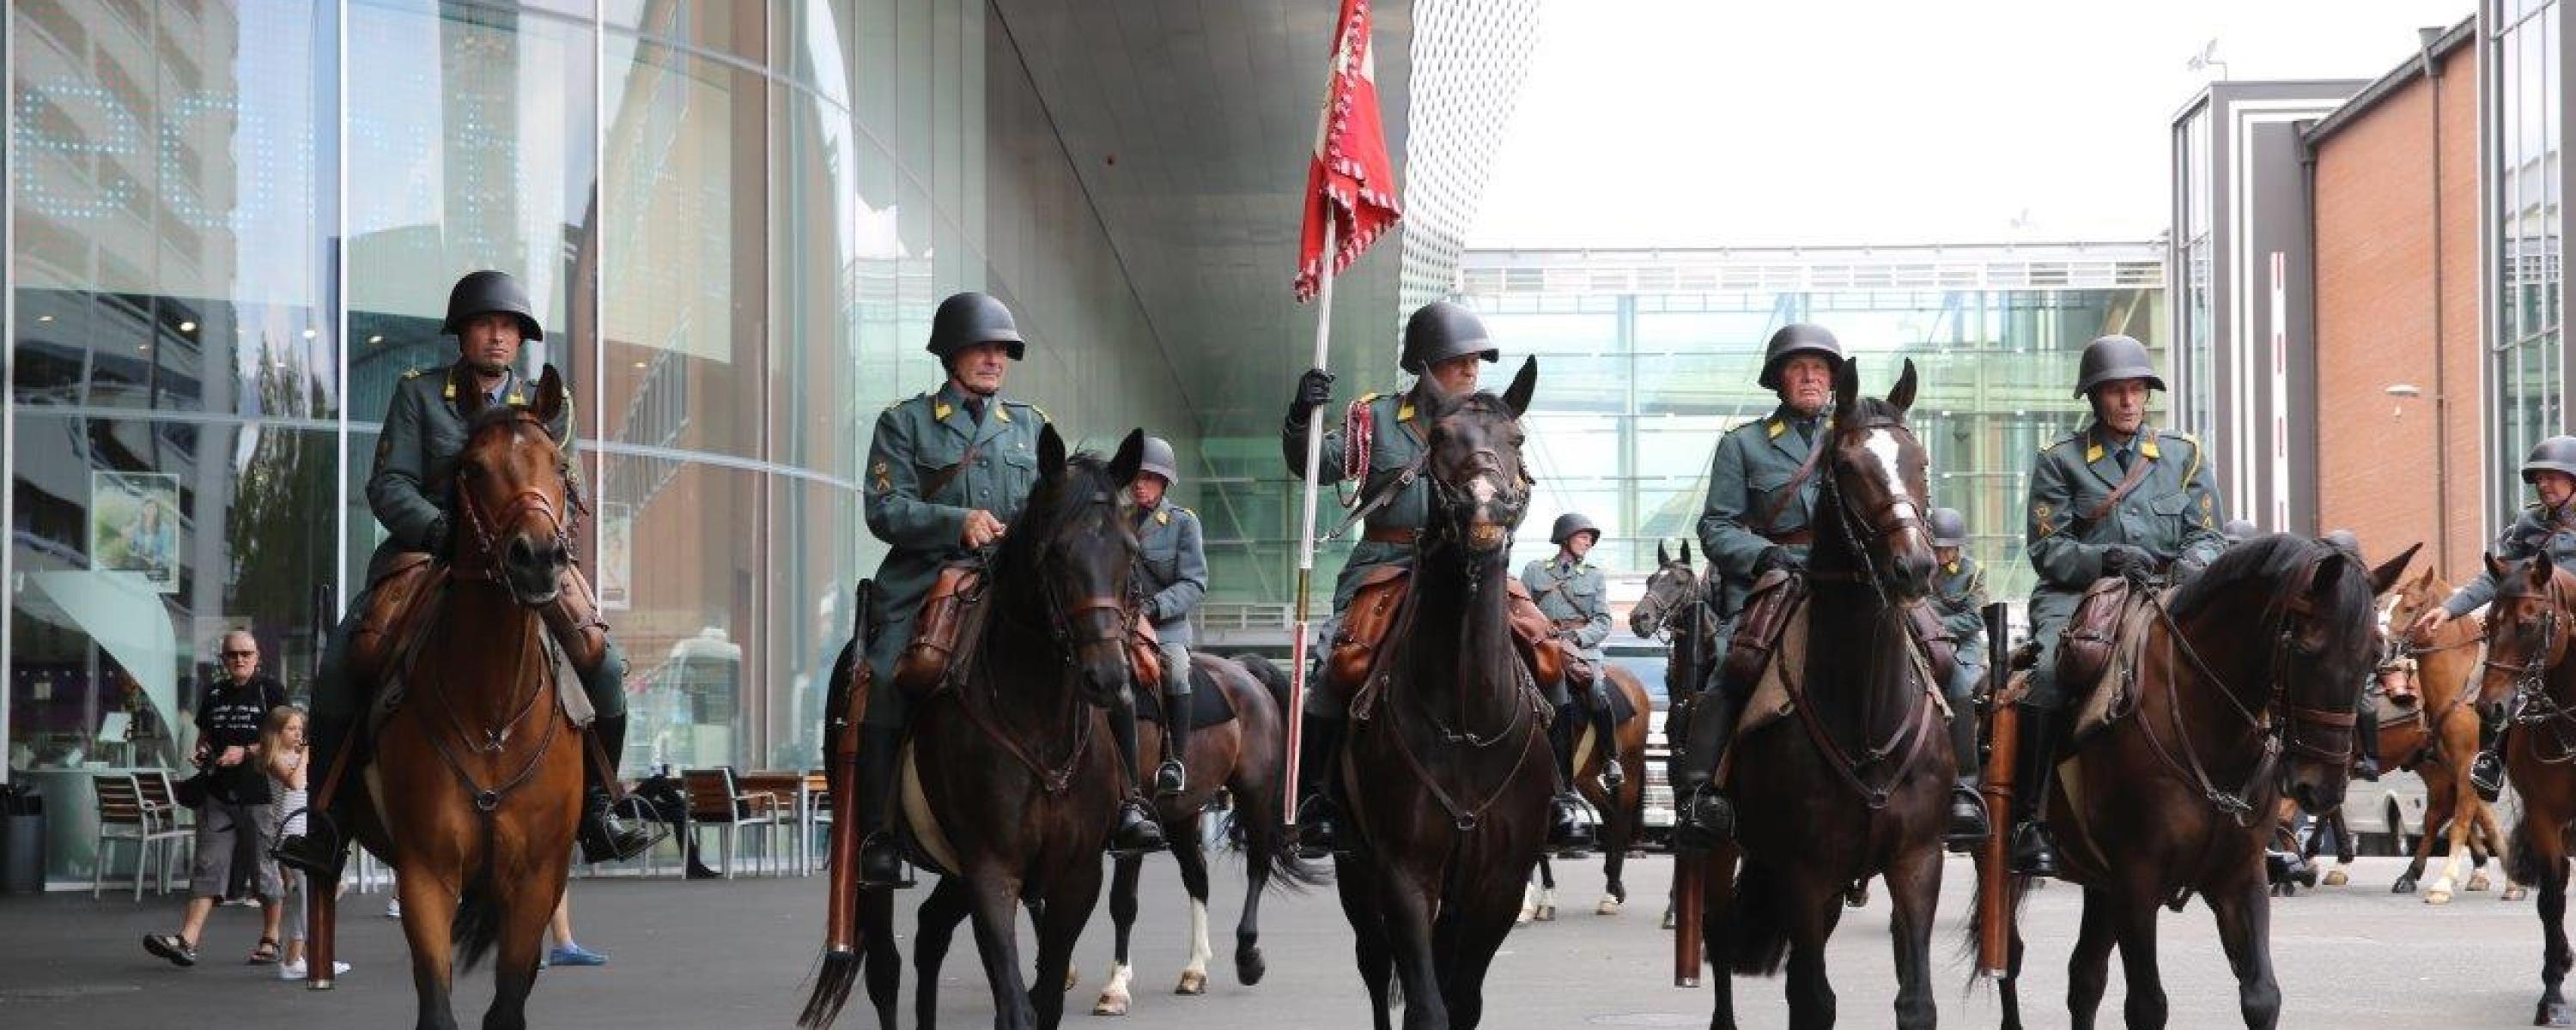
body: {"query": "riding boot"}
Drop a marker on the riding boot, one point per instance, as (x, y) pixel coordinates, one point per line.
(1967, 807)
(604, 837)
(1319, 813)
(2365, 741)
(1566, 830)
(2486, 772)
(324, 844)
(881, 862)
(1605, 733)
(1136, 832)
(2033, 853)
(1173, 777)
(1705, 819)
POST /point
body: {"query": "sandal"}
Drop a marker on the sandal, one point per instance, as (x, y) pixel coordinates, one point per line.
(171, 946)
(265, 953)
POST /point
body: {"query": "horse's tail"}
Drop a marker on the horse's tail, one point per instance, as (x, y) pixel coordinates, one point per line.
(1758, 924)
(2019, 886)
(1266, 844)
(2522, 862)
(478, 912)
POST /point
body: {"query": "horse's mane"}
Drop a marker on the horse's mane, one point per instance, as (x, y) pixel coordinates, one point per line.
(2263, 562)
(1047, 510)
(1868, 410)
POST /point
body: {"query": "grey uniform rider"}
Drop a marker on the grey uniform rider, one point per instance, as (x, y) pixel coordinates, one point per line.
(424, 434)
(1445, 345)
(2164, 523)
(1761, 494)
(2547, 526)
(947, 472)
(1959, 598)
(1172, 562)
(1570, 591)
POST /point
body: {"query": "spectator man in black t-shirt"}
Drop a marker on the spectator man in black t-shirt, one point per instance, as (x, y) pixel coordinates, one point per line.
(235, 828)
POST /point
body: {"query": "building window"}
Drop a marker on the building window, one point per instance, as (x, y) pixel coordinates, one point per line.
(2530, 366)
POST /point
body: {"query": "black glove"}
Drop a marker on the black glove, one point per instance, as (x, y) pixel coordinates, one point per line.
(434, 539)
(1314, 390)
(2127, 560)
(1778, 558)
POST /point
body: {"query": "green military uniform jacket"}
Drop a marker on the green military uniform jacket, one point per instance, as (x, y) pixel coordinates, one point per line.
(2538, 530)
(1570, 594)
(1747, 479)
(917, 441)
(1398, 437)
(1959, 597)
(416, 455)
(1173, 562)
(2172, 513)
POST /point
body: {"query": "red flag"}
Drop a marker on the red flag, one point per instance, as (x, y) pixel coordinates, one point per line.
(1350, 179)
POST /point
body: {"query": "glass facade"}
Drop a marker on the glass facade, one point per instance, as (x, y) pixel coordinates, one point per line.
(1646, 358)
(233, 225)
(2529, 381)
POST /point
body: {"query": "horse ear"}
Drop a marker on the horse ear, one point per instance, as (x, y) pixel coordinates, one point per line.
(1050, 453)
(1663, 556)
(2329, 572)
(1903, 396)
(1847, 384)
(1523, 385)
(550, 396)
(1686, 551)
(2540, 572)
(2494, 568)
(1130, 457)
(2386, 575)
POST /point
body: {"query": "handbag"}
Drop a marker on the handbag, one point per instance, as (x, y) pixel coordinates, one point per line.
(191, 792)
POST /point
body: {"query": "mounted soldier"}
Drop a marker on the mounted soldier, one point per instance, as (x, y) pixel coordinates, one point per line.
(1959, 598)
(1173, 563)
(2119, 499)
(2547, 526)
(1573, 596)
(416, 461)
(947, 472)
(1382, 445)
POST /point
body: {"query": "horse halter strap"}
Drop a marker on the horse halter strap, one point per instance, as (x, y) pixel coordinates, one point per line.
(2284, 724)
(478, 564)
(1891, 519)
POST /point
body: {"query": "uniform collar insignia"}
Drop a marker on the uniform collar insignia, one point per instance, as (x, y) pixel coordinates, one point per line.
(1162, 516)
(1404, 411)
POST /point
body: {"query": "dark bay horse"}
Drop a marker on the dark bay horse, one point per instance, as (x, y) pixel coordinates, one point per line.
(1446, 763)
(1245, 759)
(1622, 812)
(2244, 694)
(2529, 673)
(475, 784)
(1675, 607)
(1010, 759)
(1855, 784)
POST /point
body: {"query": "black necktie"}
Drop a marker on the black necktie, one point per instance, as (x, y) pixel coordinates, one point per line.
(975, 407)
(2123, 455)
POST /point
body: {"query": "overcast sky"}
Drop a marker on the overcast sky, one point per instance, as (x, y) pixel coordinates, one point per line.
(1727, 123)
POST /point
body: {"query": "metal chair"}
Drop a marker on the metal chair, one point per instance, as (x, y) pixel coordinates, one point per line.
(716, 801)
(123, 815)
(161, 798)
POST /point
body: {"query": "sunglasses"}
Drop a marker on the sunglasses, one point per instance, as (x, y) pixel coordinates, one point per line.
(241, 654)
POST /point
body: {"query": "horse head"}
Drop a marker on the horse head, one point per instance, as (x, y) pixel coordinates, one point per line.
(511, 488)
(1479, 487)
(1877, 482)
(1674, 584)
(1077, 544)
(2527, 627)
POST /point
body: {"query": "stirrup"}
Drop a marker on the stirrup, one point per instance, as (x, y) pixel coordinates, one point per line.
(881, 864)
(1706, 819)
(604, 838)
(1171, 778)
(1137, 832)
(2486, 775)
(2033, 853)
(1319, 831)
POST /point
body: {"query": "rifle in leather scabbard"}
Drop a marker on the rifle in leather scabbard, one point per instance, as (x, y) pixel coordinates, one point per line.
(1994, 868)
(842, 774)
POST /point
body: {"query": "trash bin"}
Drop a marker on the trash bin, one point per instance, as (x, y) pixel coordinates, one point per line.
(22, 840)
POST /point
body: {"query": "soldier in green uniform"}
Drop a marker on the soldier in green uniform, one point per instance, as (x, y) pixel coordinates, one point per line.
(2120, 498)
(947, 472)
(1444, 344)
(1571, 593)
(1959, 598)
(1762, 490)
(424, 433)
(2237, 531)
(2546, 527)
(1172, 562)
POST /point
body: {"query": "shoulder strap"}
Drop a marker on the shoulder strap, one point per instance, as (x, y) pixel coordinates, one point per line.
(2137, 474)
(1797, 482)
(939, 480)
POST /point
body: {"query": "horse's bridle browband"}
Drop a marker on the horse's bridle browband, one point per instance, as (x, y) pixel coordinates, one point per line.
(484, 526)
(1891, 519)
(2532, 704)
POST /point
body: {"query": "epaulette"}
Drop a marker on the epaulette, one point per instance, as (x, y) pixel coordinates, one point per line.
(414, 373)
(2062, 441)
(1370, 398)
(1185, 511)
(1008, 404)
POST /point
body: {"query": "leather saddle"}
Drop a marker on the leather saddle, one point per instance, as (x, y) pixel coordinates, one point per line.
(1379, 602)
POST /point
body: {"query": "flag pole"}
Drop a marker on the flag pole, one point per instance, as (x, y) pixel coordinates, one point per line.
(1298, 659)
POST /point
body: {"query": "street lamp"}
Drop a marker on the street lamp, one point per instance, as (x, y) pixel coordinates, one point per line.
(2403, 391)
(2207, 57)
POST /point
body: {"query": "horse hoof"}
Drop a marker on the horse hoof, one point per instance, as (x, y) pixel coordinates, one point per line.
(1110, 1005)
(2437, 896)
(1523, 919)
(2512, 893)
(2550, 1015)
(1546, 914)
(2336, 878)
(1193, 982)
(1669, 920)
(2479, 882)
(1249, 967)
(1607, 907)
(2403, 886)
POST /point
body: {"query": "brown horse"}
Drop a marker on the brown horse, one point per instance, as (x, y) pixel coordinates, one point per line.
(1011, 778)
(1675, 608)
(2244, 694)
(2438, 742)
(1446, 761)
(1243, 758)
(475, 784)
(1854, 785)
(1622, 816)
(2529, 673)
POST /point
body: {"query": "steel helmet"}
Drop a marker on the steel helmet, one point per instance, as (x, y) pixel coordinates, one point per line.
(1570, 523)
(1949, 527)
(1440, 331)
(2114, 358)
(1794, 339)
(1158, 460)
(487, 292)
(970, 318)
(2556, 454)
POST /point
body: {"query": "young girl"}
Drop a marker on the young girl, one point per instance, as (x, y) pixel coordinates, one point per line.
(283, 754)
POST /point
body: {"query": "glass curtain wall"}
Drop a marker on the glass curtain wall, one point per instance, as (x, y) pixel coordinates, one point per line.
(2530, 358)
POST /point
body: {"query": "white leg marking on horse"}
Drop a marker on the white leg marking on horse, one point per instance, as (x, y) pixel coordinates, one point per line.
(1113, 998)
(1199, 949)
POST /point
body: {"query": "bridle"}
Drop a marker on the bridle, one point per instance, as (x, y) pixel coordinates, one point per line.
(2531, 703)
(481, 561)
(1886, 521)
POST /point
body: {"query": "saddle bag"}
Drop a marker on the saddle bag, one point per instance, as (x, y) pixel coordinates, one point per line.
(1372, 611)
(1145, 659)
(953, 597)
(1766, 613)
(1940, 649)
(2092, 634)
(1535, 635)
